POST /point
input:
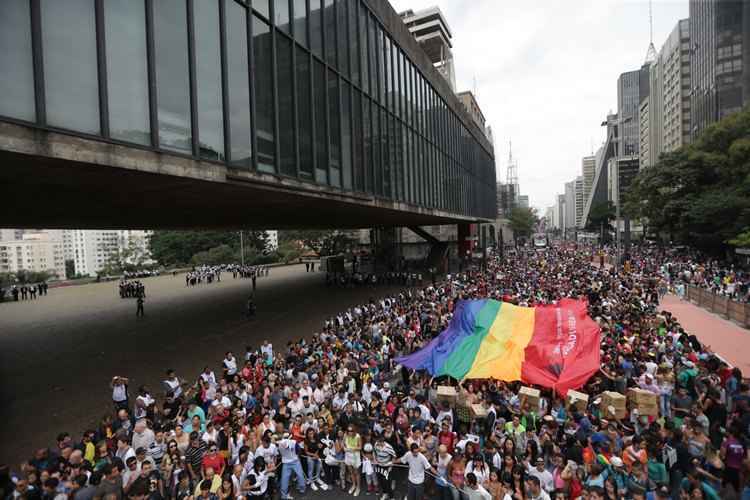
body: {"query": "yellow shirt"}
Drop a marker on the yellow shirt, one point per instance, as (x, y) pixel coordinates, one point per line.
(215, 485)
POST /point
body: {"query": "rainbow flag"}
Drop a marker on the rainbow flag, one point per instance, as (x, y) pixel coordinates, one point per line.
(555, 346)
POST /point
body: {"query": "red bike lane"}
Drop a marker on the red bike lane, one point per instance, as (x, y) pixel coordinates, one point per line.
(725, 338)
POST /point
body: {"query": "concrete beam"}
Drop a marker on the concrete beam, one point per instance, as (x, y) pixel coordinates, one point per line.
(56, 180)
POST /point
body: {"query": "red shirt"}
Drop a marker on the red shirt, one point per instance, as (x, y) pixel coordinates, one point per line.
(216, 463)
(447, 438)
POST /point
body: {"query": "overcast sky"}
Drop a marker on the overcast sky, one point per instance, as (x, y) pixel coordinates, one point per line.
(546, 74)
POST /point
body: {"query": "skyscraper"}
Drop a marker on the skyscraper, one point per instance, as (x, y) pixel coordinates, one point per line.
(669, 99)
(719, 60)
(631, 88)
(588, 170)
(431, 30)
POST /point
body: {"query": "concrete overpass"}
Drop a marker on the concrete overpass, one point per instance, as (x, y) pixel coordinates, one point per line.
(217, 117)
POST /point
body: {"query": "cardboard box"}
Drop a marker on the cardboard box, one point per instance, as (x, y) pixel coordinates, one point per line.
(447, 393)
(617, 401)
(531, 395)
(478, 411)
(577, 400)
(646, 402)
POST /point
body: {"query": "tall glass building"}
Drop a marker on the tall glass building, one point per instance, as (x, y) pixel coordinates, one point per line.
(334, 93)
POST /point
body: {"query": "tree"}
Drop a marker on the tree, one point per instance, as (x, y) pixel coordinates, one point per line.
(129, 258)
(174, 248)
(700, 193)
(742, 240)
(70, 269)
(600, 216)
(522, 222)
(322, 243)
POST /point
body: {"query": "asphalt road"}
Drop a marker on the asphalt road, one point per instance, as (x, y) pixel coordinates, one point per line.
(59, 352)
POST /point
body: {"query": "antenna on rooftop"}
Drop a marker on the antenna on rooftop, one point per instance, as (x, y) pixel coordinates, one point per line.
(651, 52)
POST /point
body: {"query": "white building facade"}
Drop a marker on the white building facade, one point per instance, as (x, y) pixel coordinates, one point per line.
(37, 251)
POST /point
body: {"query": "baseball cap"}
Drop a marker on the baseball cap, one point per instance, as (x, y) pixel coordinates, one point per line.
(616, 462)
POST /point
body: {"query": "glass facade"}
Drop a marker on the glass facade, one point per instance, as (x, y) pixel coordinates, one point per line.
(17, 86)
(310, 89)
(71, 85)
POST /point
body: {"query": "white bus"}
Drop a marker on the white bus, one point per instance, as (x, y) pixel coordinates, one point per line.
(539, 240)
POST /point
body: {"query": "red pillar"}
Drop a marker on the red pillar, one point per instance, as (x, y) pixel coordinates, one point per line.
(464, 240)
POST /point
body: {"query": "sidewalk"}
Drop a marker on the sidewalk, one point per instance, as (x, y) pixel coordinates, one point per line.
(727, 339)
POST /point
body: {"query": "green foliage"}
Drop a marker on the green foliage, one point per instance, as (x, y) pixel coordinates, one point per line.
(700, 193)
(24, 277)
(322, 243)
(522, 221)
(742, 240)
(288, 251)
(177, 248)
(130, 258)
(600, 216)
(70, 269)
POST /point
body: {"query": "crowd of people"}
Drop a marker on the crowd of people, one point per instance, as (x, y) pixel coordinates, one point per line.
(361, 279)
(683, 269)
(336, 412)
(28, 291)
(130, 288)
(209, 274)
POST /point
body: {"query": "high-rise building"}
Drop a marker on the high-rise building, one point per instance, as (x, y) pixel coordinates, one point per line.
(579, 201)
(91, 249)
(431, 30)
(469, 101)
(507, 199)
(35, 250)
(570, 207)
(644, 146)
(588, 170)
(669, 99)
(523, 201)
(719, 60)
(628, 99)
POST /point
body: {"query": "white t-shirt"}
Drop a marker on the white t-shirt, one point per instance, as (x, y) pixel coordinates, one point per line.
(231, 365)
(288, 450)
(417, 465)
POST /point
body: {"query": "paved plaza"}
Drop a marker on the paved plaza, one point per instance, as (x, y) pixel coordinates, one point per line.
(60, 352)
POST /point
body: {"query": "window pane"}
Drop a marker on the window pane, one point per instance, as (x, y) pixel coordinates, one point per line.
(300, 21)
(16, 65)
(372, 57)
(264, 96)
(261, 6)
(385, 152)
(287, 160)
(127, 71)
(381, 64)
(367, 141)
(353, 41)
(70, 68)
(363, 40)
(321, 150)
(238, 86)
(342, 43)
(377, 166)
(208, 80)
(346, 135)
(359, 176)
(316, 27)
(172, 80)
(333, 122)
(281, 13)
(330, 31)
(304, 113)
